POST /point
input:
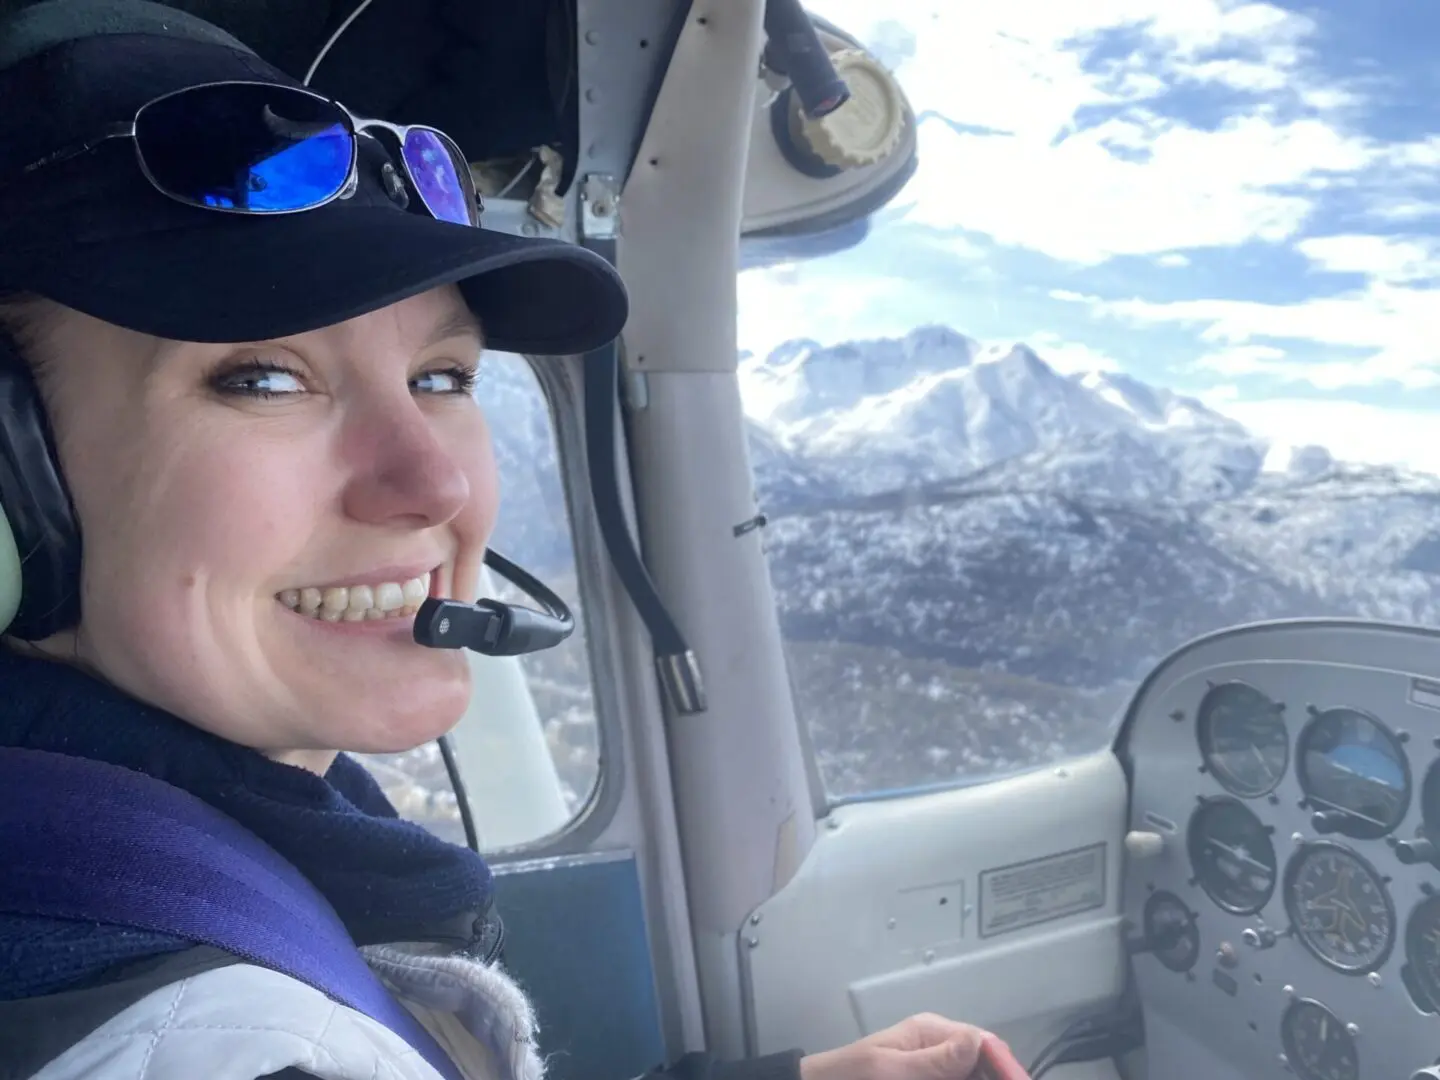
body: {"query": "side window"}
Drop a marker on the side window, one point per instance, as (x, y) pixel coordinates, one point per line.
(528, 745)
(1053, 414)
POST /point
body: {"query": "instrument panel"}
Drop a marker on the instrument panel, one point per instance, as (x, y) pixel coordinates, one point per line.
(1282, 884)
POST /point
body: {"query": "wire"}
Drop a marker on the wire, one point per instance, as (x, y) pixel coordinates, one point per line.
(314, 64)
(467, 820)
(509, 187)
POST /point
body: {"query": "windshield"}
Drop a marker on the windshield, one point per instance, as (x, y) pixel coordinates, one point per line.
(1145, 349)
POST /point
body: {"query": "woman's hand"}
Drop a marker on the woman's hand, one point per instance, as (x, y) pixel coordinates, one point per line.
(924, 1047)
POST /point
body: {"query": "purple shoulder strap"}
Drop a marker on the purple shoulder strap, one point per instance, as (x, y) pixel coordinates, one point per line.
(92, 841)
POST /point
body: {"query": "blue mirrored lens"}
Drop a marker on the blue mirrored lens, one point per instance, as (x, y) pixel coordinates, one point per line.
(240, 146)
(434, 169)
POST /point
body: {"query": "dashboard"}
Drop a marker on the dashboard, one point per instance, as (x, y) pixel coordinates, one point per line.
(1282, 879)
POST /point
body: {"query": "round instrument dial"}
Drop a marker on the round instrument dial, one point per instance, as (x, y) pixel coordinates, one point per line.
(1231, 855)
(1422, 950)
(1350, 764)
(1430, 799)
(1340, 908)
(1170, 931)
(1317, 1044)
(1243, 739)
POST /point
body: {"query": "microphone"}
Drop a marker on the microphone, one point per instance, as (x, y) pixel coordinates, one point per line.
(492, 627)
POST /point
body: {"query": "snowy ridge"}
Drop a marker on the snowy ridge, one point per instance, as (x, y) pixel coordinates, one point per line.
(965, 538)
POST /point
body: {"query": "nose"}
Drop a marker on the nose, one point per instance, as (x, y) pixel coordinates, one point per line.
(404, 475)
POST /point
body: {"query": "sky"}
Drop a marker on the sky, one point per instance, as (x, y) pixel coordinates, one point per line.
(1236, 200)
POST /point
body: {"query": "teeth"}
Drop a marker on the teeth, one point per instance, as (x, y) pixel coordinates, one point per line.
(359, 603)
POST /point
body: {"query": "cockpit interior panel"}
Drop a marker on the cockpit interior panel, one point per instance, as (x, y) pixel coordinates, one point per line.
(1282, 887)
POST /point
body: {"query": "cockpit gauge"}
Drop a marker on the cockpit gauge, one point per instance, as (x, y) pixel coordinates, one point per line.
(1170, 931)
(1424, 848)
(1339, 907)
(1231, 855)
(1354, 773)
(1317, 1045)
(1243, 739)
(1422, 952)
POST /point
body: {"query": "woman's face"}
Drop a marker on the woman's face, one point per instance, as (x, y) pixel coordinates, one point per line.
(259, 519)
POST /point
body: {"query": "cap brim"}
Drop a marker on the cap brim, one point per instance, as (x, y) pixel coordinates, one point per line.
(248, 279)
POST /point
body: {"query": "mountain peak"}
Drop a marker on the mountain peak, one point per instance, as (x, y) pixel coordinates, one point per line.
(935, 405)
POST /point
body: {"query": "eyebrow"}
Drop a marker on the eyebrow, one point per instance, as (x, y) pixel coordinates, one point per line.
(460, 324)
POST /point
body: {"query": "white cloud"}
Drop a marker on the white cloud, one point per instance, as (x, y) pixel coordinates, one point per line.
(1400, 324)
(1243, 360)
(775, 307)
(1138, 183)
(1172, 259)
(1068, 357)
(1350, 431)
(1387, 258)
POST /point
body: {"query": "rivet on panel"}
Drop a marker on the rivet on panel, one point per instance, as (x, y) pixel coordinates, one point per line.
(592, 37)
(753, 942)
(929, 956)
(890, 924)
(755, 919)
(592, 95)
(1375, 979)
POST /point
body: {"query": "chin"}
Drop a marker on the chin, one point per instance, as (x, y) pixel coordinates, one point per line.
(403, 714)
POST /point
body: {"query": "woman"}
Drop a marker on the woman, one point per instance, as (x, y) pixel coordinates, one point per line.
(239, 343)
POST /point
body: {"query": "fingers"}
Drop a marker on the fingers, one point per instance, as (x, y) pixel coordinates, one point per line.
(930, 1029)
(954, 1058)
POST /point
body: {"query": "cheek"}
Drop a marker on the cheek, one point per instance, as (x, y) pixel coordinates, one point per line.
(475, 453)
(182, 539)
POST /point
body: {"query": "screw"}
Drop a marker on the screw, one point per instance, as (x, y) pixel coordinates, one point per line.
(755, 919)
(753, 942)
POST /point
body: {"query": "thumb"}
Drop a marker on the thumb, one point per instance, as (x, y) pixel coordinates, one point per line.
(953, 1059)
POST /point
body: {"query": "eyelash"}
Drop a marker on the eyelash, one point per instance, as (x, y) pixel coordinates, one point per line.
(226, 380)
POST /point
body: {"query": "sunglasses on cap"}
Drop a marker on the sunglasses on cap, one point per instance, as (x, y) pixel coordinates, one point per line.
(261, 148)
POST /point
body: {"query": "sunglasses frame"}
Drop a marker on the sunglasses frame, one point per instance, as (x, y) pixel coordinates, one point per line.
(357, 126)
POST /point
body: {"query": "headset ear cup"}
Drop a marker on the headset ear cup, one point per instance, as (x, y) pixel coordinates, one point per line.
(40, 541)
(11, 574)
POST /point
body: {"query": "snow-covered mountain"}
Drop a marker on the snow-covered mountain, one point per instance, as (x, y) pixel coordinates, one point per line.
(964, 537)
(936, 405)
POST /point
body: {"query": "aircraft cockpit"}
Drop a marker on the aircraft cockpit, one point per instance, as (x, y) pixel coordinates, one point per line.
(1003, 546)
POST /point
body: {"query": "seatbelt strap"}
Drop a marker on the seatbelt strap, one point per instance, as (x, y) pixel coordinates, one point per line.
(92, 841)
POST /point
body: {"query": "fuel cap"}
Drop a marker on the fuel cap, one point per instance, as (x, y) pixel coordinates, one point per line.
(867, 128)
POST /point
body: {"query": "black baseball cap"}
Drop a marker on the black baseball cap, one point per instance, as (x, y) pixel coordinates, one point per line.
(93, 234)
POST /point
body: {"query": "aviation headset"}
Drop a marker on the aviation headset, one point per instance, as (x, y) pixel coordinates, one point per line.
(39, 532)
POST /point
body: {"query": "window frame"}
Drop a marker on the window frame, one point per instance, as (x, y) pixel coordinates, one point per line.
(559, 384)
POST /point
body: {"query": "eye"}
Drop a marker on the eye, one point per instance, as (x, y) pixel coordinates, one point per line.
(452, 380)
(255, 378)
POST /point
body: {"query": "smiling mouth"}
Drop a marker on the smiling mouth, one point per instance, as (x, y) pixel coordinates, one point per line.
(359, 603)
